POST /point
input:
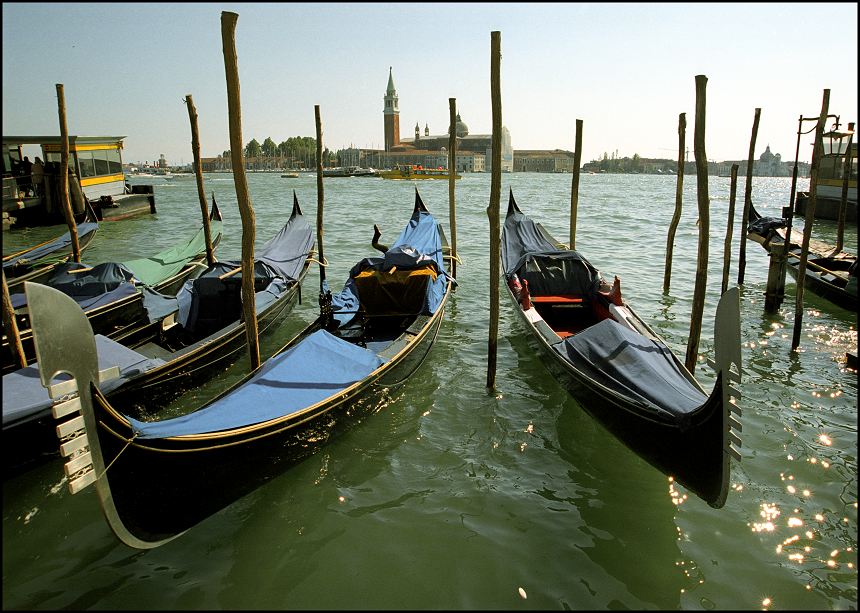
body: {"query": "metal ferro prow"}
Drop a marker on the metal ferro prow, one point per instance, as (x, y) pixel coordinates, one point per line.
(64, 343)
(727, 354)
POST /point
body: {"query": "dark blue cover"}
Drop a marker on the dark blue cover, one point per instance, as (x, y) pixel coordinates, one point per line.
(639, 368)
(320, 366)
(25, 399)
(763, 225)
(63, 243)
(529, 251)
(418, 244)
(101, 285)
(279, 261)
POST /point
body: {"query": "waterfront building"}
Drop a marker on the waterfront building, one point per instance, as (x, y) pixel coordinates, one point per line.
(474, 151)
(540, 160)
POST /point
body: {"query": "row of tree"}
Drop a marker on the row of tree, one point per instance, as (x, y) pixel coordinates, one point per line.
(296, 151)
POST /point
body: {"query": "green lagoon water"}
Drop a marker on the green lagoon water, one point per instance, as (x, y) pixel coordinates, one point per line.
(452, 497)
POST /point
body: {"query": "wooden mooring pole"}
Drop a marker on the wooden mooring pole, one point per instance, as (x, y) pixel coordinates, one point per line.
(745, 217)
(64, 175)
(246, 208)
(11, 325)
(452, 176)
(817, 152)
(775, 295)
(495, 198)
(679, 199)
(704, 225)
(727, 249)
(320, 200)
(198, 173)
(574, 183)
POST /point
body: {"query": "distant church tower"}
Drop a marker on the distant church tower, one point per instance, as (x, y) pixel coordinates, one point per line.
(392, 115)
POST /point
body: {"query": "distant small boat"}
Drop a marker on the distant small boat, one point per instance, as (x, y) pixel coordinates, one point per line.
(416, 172)
(349, 171)
(290, 175)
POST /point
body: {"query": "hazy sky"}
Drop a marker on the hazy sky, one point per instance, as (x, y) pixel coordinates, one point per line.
(626, 70)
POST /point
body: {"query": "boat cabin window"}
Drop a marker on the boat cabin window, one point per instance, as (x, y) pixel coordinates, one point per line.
(86, 164)
(91, 163)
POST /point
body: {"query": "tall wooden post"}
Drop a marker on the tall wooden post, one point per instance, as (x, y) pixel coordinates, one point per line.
(495, 199)
(810, 218)
(11, 325)
(843, 205)
(198, 172)
(64, 175)
(320, 199)
(727, 249)
(745, 217)
(574, 183)
(704, 224)
(452, 175)
(246, 208)
(679, 199)
(788, 215)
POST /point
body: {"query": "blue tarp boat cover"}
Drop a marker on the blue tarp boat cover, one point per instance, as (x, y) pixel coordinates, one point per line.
(320, 366)
(417, 246)
(25, 399)
(62, 244)
(635, 366)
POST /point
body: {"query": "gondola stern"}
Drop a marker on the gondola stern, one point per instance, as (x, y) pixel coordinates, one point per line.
(215, 212)
(419, 204)
(297, 210)
(512, 204)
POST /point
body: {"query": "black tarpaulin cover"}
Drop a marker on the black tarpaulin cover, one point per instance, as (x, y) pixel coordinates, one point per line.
(528, 251)
(634, 366)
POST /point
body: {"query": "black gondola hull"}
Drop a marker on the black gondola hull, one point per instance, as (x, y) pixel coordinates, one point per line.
(164, 487)
(693, 454)
(118, 319)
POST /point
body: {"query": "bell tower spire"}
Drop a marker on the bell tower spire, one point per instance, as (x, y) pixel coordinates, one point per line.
(391, 114)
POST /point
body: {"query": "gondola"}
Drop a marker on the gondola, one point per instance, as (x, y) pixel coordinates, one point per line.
(120, 298)
(621, 372)
(830, 275)
(37, 263)
(201, 337)
(166, 476)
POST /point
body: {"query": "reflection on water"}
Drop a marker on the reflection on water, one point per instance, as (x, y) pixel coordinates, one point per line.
(445, 495)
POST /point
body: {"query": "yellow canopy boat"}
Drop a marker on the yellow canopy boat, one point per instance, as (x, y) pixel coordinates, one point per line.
(416, 172)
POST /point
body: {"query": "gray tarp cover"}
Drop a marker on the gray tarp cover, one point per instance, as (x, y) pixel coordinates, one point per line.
(632, 365)
(25, 399)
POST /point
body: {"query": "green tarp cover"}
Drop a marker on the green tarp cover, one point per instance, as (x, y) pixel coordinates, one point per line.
(155, 269)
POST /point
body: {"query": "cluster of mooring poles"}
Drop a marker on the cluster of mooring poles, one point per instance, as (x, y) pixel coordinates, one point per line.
(776, 275)
(779, 253)
(702, 195)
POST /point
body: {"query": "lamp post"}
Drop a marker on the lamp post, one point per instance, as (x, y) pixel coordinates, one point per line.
(837, 146)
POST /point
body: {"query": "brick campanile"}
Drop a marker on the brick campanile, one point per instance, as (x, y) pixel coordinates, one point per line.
(391, 114)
